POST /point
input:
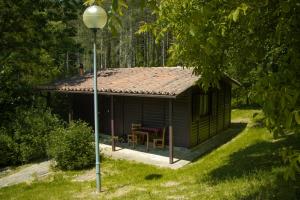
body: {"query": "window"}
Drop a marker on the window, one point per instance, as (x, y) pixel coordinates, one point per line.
(200, 106)
(204, 105)
(195, 107)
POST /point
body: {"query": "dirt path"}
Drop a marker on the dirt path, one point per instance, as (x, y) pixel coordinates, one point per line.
(27, 174)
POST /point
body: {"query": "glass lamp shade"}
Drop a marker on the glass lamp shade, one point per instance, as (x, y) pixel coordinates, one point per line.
(94, 17)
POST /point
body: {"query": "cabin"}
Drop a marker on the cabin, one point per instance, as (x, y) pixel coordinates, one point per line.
(154, 97)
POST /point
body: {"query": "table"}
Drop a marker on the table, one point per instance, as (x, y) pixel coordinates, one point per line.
(143, 133)
(151, 129)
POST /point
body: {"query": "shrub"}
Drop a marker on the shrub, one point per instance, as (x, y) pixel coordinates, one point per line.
(30, 130)
(72, 148)
(8, 149)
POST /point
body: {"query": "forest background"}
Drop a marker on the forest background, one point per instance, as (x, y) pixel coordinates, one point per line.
(256, 42)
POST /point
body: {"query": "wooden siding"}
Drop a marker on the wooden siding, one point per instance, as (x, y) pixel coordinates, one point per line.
(132, 112)
(181, 116)
(214, 113)
(203, 129)
(194, 134)
(119, 115)
(220, 123)
(154, 112)
(104, 114)
(227, 106)
(83, 109)
(218, 119)
(151, 112)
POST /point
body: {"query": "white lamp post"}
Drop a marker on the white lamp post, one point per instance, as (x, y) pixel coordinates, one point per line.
(95, 17)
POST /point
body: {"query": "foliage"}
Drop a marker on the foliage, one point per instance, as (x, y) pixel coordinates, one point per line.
(292, 158)
(7, 149)
(255, 41)
(33, 35)
(33, 39)
(118, 45)
(24, 138)
(29, 130)
(72, 148)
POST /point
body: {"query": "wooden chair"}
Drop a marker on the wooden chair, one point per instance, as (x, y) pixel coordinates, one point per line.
(132, 138)
(160, 142)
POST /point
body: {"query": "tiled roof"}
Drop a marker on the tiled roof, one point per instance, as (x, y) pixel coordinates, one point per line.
(164, 81)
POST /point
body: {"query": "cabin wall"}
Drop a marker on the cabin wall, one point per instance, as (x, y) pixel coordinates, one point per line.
(83, 107)
(147, 111)
(219, 116)
(150, 112)
(154, 112)
(119, 115)
(227, 118)
(132, 107)
(181, 119)
(214, 114)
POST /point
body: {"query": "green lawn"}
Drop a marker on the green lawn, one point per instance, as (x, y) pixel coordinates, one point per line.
(247, 167)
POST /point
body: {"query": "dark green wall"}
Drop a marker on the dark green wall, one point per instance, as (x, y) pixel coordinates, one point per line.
(153, 112)
(219, 116)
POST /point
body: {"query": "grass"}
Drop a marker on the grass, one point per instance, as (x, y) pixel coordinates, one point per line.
(247, 167)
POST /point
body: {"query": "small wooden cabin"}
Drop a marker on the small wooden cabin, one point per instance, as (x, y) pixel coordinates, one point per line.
(155, 97)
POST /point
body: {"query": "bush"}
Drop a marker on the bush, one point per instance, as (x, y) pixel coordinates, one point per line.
(72, 148)
(8, 149)
(30, 131)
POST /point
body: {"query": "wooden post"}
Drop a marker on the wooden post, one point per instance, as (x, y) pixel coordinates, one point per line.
(70, 113)
(112, 123)
(170, 132)
(48, 99)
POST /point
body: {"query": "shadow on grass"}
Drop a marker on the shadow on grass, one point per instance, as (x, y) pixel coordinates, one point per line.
(259, 156)
(237, 127)
(280, 189)
(153, 176)
(262, 156)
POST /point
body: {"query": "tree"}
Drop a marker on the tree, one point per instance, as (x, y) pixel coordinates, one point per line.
(254, 40)
(34, 37)
(119, 44)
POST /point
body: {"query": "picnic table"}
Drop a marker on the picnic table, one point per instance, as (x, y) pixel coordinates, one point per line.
(144, 132)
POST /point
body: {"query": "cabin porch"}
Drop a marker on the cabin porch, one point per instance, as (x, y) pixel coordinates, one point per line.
(160, 157)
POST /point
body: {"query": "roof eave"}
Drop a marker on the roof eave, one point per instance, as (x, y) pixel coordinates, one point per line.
(114, 93)
(234, 81)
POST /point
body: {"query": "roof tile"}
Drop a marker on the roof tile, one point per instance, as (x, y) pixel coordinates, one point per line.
(167, 81)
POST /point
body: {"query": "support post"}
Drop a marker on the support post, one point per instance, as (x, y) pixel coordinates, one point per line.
(171, 132)
(98, 178)
(113, 145)
(70, 115)
(48, 99)
(70, 112)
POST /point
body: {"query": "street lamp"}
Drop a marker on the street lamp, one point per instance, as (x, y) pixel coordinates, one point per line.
(95, 17)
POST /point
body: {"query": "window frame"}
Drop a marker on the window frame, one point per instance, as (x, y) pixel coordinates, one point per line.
(195, 107)
(204, 105)
(201, 105)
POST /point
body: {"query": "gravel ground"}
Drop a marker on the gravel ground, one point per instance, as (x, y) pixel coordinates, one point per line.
(27, 174)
